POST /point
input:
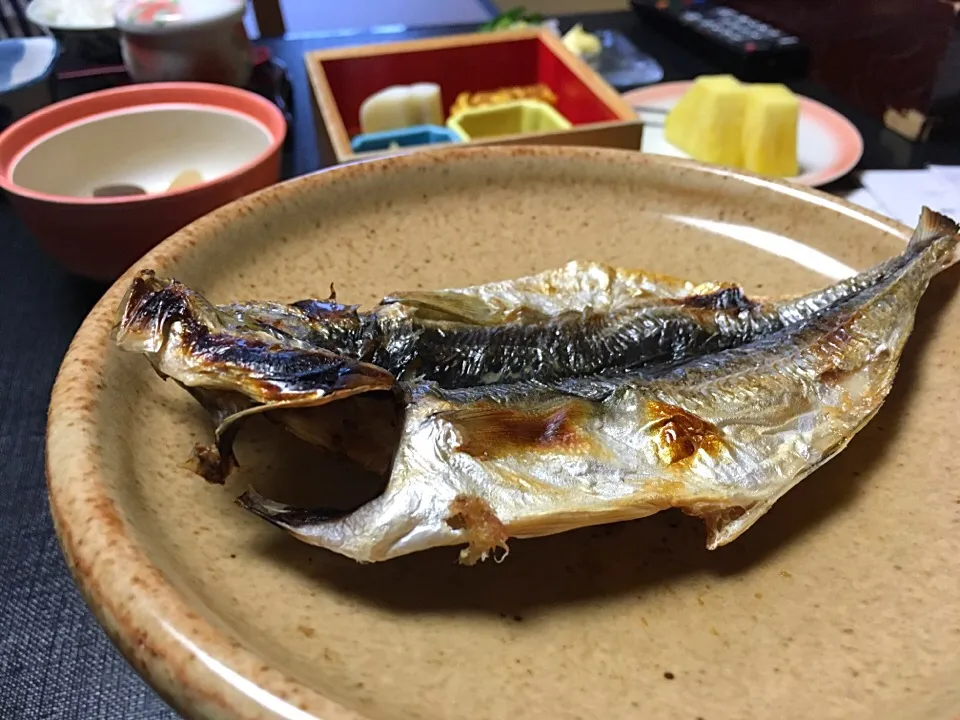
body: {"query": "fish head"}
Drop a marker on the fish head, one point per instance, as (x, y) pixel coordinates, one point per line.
(349, 407)
(150, 305)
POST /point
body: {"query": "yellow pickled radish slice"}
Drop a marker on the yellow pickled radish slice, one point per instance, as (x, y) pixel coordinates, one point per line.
(770, 130)
(185, 179)
(707, 122)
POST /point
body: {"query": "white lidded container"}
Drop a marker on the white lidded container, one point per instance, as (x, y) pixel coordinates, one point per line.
(192, 40)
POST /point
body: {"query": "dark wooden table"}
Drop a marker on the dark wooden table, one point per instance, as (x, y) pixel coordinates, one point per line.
(55, 662)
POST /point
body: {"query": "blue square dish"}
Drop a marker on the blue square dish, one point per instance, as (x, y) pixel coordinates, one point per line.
(403, 137)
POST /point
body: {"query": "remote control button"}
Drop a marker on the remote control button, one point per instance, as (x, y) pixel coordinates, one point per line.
(789, 40)
(690, 16)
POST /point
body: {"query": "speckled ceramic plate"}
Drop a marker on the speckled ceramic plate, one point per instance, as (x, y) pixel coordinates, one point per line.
(842, 602)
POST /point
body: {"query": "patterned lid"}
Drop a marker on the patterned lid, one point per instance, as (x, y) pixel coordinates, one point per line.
(163, 15)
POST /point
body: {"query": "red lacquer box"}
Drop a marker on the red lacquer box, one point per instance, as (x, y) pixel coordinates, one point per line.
(343, 78)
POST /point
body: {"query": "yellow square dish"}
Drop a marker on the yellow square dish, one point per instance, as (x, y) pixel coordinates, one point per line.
(511, 118)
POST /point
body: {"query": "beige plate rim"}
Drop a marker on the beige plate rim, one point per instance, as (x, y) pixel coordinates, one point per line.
(184, 657)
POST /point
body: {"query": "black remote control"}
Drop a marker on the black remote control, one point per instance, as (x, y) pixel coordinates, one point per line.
(737, 43)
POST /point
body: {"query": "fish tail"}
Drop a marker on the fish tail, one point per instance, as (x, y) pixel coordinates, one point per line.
(933, 226)
(288, 517)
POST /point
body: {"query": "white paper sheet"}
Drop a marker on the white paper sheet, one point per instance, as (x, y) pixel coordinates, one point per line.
(904, 192)
(949, 173)
(864, 199)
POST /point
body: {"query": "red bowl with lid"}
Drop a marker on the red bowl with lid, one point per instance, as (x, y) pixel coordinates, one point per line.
(96, 179)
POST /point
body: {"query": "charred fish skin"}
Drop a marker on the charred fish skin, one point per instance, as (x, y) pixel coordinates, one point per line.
(576, 344)
(722, 437)
(610, 321)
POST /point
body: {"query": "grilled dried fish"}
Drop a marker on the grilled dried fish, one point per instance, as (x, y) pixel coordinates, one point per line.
(239, 360)
(721, 436)
(584, 318)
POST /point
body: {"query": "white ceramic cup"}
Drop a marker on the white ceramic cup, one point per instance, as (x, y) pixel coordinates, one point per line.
(185, 40)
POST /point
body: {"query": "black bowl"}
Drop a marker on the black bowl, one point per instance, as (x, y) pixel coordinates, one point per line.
(97, 46)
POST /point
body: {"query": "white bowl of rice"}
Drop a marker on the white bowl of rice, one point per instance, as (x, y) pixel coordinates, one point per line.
(84, 28)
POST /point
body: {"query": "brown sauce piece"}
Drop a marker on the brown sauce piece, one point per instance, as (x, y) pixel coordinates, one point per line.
(483, 530)
(680, 434)
(488, 430)
(727, 297)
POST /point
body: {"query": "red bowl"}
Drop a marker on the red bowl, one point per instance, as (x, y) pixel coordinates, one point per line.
(51, 161)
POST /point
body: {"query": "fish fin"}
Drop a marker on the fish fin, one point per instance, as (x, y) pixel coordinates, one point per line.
(366, 432)
(725, 523)
(306, 401)
(931, 226)
(215, 462)
(450, 306)
(367, 441)
(718, 296)
(934, 225)
(534, 298)
(290, 518)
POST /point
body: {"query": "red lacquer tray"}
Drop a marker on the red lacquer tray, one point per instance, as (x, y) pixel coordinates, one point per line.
(342, 78)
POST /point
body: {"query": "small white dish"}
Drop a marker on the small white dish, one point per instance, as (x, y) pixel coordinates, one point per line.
(828, 144)
(89, 34)
(26, 66)
(76, 15)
